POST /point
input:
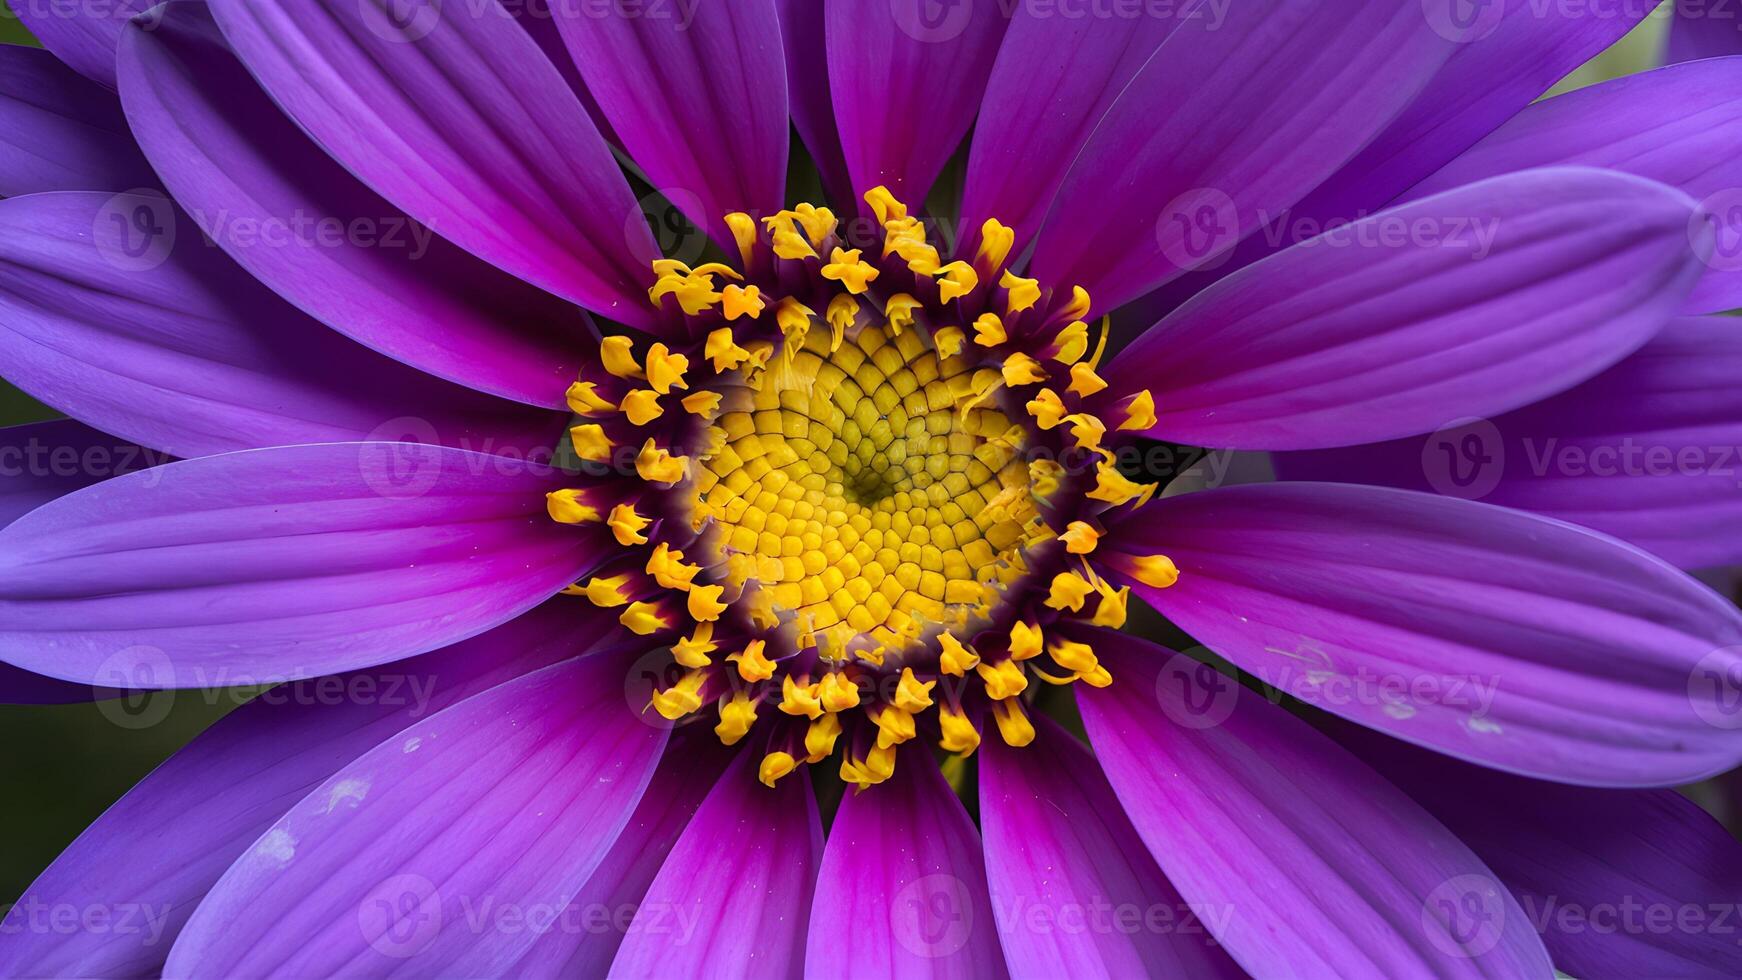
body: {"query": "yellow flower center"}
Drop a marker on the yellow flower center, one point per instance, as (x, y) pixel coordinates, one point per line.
(845, 507)
(861, 487)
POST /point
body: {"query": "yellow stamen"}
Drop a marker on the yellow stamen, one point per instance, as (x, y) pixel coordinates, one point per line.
(959, 734)
(584, 399)
(1005, 680)
(753, 663)
(819, 739)
(642, 406)
(837, 692)
(1139, 413)
(739, 301)
(724, 351)
(606, 592)
(996, 240)
(884, 205)
(591, 443)
(894, 726)
(570, 507)
(618, 355)
(912, 695)
(681, 699)
(800, 699)
(989, 330)
(1085, 382)
(643, 618)
(704, 603)
(692, 651)
(1155, 571)
(627, 525)
(743, 228)
(655, 465)
(1013, 723)
(846, 268)
(1022, 293)
(1068, 592)
(665, 370)
(702, 403)
(1080, 538)
(736, 718)
(1025, 641)
(1020, 369)
(956, 280)
(775, 765)
(954, 658)
(899, 310)
(948, 341)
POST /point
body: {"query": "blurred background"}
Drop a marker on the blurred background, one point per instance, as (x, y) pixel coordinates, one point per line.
(61, 766)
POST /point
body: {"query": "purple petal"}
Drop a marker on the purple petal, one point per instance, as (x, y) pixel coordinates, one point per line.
(166, 842)
(1703, 29)
(1468, 303)
(1645, 451)
(1063, 74)
(807, 92)
(406, 859)
(278, 564)
(1681, 125)
(1489, 634)
(1235, 118)
(43, 461)
(1620, 883)
(902, 891)
(906, 77)
(1302, 859)
(301, 224)
(1508, 54)
(593, 926)
(733, 896)
(83, 35)
(60, 131)
(116, 312)
(697, 93)
(453, 113)
(1077, 893)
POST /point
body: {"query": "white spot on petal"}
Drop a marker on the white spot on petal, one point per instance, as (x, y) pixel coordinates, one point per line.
(277, 846)
(349, 791)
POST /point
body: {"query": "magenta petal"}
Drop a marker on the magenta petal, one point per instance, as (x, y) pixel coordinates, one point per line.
(455, 115)
(305, 227)
(1646, 451)
(1508, 55)
(1489, 634)
(586, 939)
(403, 859)
(902, 891)
(1703, 29)
(83, 35)
(733, 896)
(698, 96)
(906, 77)
(277, 564)
(165, 843)
(1620, 883)
(114, 310)
(807, 92)
(1063, 75)
(60, 131)
(1233, 120)
(1304, 861)
(44, 461)
(1680, 125)
(1076, 893)
(1468, 303)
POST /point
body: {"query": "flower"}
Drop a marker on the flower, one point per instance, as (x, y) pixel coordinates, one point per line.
(851, 487)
